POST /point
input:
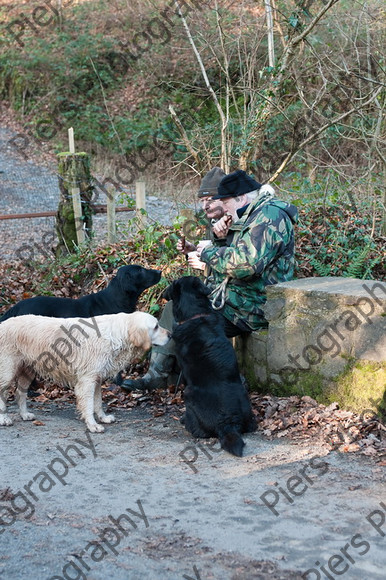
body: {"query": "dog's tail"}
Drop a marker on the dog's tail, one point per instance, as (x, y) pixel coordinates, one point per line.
(231, 441)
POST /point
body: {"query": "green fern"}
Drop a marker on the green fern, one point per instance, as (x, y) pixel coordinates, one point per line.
(368, 272)
(321, 268)
(357, 268)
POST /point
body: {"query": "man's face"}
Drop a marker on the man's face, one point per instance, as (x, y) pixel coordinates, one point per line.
(232, 204)
(213, 208)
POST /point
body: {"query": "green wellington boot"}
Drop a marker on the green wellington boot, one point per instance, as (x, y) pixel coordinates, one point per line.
(161, 366)
(162, 360)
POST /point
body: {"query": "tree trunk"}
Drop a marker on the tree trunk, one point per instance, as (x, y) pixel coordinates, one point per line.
(383, 226)
(271, 103)
(73, 171)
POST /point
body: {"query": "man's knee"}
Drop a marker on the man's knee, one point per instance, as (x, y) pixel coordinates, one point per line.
(167, 319)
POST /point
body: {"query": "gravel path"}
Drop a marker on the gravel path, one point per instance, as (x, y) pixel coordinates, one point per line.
(196, 512)
(27, 187)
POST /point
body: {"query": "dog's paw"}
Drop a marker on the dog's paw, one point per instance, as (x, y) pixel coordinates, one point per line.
(5, 420)
(27, 416)
(107, 419)
(95, 428)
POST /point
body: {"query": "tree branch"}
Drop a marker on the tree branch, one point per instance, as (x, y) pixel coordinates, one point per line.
(297, 39)
(263, 115)
(224, 120)
(319, 131)
(271, 45)
(184, 136)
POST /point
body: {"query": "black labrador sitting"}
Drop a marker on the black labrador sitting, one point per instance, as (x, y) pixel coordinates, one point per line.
(121, 295)
(217, 404)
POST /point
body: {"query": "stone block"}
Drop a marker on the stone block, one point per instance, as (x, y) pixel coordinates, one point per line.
(318, 328)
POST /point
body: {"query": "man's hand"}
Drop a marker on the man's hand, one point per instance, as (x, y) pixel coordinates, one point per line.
(185, 247)
(201, 245)
(222, 226)
(195, 262)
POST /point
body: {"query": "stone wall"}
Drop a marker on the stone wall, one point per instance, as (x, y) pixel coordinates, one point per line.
(326, 338)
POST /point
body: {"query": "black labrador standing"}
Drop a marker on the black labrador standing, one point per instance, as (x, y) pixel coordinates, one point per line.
(121, 295)
(217, 404)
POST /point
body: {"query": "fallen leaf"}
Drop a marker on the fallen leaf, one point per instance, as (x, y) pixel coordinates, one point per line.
(369, 451)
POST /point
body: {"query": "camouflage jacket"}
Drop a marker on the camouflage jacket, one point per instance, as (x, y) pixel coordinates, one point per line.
(259, 251)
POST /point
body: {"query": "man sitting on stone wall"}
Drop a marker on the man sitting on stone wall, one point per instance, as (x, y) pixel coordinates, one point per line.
(253, 247)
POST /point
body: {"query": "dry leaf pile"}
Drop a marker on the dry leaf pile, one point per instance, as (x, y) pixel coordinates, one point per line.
(299, 418)
(303, 417)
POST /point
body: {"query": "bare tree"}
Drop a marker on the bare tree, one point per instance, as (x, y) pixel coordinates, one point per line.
(309, 79)
(224, 116)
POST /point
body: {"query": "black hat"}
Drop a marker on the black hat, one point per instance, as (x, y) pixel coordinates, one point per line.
(210, 181)
(236, 183)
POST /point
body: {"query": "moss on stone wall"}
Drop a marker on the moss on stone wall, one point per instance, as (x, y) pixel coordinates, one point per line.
(361, 386)
(312, 384)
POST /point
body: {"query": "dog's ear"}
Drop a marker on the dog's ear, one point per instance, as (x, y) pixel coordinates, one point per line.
(167, 294)
(139, 337)
(121, 279)
(172, 292)
(200, 287)
(127, 277)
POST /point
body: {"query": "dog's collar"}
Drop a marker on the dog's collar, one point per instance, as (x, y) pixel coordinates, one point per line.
(192, 318)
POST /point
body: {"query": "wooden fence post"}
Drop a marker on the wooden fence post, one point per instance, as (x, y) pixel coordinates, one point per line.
(140, 202)
(74, 209)
(75, 194)
(111, 221)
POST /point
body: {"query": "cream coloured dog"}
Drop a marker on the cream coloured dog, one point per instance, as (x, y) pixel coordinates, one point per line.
(78, 352)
